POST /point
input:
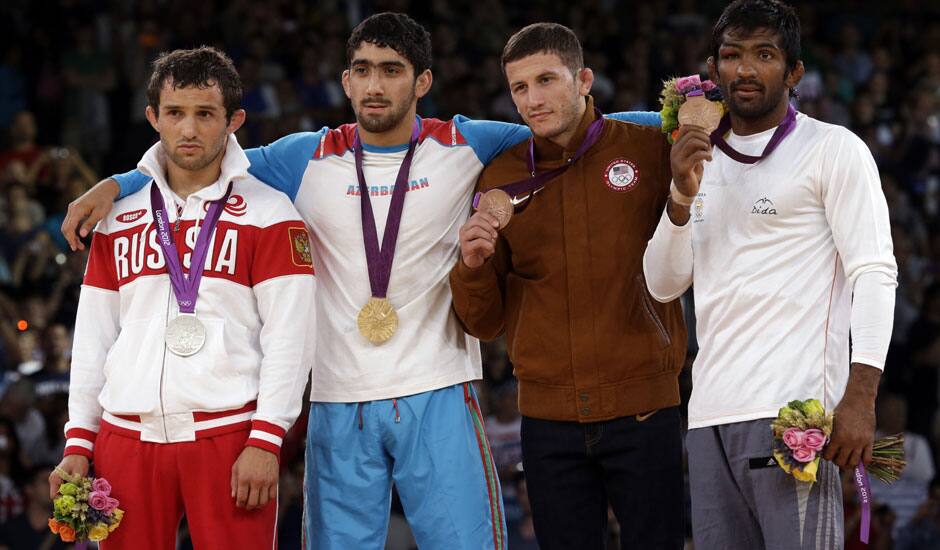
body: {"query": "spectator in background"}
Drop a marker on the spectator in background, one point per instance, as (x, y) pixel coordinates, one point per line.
(30, 529)
(924, 351)
(502, 431)
(22, 146)
(905, 495)
(923, 532)
(18, 405)
(90, 76)
(11, 471)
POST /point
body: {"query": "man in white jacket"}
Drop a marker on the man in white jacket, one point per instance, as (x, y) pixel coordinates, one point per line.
(191, 353)
(782, 230)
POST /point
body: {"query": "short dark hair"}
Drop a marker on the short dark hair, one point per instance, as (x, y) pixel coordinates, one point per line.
(545, 38)
(201, 67)
(396, 31)
(749, 15)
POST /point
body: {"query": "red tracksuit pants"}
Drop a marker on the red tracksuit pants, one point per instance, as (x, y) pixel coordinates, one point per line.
(157, 483)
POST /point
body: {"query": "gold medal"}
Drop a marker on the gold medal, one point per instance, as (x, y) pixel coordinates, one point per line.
(498, 204)
(699, 111)
(377, 320)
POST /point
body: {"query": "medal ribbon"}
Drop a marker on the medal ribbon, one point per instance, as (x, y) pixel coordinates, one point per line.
(185, 288)
(863, 487)
(378, 259)
(533, 182)
(782, 131)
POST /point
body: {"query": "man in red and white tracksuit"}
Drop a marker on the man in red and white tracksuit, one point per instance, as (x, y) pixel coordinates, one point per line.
(197, 434)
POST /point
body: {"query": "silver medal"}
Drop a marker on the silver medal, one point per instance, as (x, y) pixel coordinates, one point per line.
(185, 335)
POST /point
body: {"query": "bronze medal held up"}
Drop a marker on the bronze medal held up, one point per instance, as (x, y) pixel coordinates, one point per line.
(699, 111)
(497, 203)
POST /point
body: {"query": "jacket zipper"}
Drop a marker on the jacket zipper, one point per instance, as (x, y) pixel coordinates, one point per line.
(166, 322)
(664, 338)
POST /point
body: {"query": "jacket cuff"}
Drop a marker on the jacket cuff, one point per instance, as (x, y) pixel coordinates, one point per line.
(266, 436)
(79, 441)
(481, 278)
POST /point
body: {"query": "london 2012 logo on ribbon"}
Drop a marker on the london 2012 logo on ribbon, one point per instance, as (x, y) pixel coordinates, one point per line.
(621, 175)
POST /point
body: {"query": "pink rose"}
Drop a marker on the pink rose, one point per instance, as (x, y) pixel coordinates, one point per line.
(793, 438)
(98, 500)
(804, 454)
(102, 486)
(112, 504)
(708, 85)
(688, 83)
(814, 439)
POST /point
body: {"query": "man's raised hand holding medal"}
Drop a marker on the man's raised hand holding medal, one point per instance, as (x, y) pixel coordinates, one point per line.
(692, 110)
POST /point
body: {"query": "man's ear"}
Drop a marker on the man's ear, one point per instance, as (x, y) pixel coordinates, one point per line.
(712, 69)
(151, 117)
(238, 118)
(795, 75)
(585, 79)
(423, 83)
(345, 80)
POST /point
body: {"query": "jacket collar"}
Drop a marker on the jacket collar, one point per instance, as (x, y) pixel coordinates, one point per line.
(234, 166)
(545, 150)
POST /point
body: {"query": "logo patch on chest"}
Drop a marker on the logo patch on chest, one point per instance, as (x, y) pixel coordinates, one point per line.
(129, 217)
(621, 175)
(235, 205)
(764, 206)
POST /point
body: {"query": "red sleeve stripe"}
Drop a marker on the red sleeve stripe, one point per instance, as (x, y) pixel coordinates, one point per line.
(70, 450)
(272, 429)
(100, 271)
(266, 437)
(281, 249)
(81, 433)
(264, 445)
(200, 416)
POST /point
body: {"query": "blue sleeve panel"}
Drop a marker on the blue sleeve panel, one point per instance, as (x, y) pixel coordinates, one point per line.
(643, 118)
(131, 182)
(489, 138)
(282, 164)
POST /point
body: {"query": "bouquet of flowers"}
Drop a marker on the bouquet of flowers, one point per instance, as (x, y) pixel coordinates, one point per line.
(705, 111)
(84, 510)
(801, 432)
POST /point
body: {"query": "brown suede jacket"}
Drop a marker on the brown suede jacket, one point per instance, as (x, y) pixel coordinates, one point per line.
(566, 284)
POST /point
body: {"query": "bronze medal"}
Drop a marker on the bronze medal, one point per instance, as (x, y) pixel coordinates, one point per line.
(699, 111)
(377, 320)
(498, 204)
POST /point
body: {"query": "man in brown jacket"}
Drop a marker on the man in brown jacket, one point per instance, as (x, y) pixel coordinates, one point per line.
(597, 359)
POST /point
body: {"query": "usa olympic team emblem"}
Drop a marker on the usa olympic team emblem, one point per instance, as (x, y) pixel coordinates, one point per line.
(621, 175)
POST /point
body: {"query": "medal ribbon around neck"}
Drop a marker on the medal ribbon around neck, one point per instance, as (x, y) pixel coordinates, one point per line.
(185, 288)
(377, 320)
(535, 181)
(379, 260)
(783, 130)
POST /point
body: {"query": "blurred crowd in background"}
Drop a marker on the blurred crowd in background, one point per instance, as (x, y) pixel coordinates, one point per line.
(73, 75)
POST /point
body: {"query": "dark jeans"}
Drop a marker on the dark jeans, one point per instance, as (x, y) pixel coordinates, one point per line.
(574, 470)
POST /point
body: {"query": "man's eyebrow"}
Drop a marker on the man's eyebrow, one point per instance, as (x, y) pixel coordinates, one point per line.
(202, 107)
(735, 44)
(380, 63)
(540, 75)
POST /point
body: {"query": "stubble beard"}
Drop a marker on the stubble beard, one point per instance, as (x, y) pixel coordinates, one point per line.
(755, 109)
(384, 123)
(194, 164)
